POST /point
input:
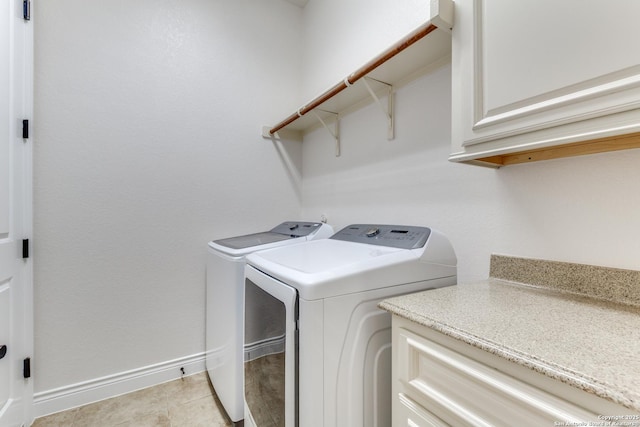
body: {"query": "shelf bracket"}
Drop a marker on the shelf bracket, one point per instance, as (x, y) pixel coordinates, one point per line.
(335, 133)
(388, 110)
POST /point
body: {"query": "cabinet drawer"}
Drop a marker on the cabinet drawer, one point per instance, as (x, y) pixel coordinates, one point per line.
(464, 392)
(410, 414)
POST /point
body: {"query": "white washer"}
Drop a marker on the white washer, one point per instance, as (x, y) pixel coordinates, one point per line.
(225, 302)
(317, 347)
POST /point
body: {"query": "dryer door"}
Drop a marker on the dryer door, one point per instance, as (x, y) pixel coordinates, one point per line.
(270, 351)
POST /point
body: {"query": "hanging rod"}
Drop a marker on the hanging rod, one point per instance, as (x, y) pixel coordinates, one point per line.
(409, 40)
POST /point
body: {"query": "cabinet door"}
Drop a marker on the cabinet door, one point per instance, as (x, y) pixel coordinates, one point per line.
(532, 74)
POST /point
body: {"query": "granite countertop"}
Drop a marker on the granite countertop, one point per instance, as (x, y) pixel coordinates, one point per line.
(559, 330)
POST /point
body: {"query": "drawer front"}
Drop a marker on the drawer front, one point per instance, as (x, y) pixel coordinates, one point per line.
(410, 414)
(463, 392)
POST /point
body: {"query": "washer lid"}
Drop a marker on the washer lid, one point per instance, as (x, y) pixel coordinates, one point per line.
(285, 233)
(250, 240)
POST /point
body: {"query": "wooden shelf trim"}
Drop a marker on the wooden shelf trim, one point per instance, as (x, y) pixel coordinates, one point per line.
(600, 145)
(361, 72)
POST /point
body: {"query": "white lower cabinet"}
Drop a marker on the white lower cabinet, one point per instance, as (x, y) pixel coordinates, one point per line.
(440, 381)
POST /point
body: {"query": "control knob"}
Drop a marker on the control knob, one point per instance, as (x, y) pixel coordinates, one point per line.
(372, 232)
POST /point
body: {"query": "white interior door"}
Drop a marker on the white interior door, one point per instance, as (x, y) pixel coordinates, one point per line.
(16, 291)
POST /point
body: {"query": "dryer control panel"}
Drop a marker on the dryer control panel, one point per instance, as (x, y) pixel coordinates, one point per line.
(395, 236)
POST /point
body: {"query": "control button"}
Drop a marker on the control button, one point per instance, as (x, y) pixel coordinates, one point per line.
(372, 232)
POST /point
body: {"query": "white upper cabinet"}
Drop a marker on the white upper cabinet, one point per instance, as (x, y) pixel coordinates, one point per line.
(538, 79)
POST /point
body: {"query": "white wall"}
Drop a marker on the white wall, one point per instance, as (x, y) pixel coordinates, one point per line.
(148, 116)
(581, 209)
(340, 36)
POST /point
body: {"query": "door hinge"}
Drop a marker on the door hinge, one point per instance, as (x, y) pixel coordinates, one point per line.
(25, 129)
(26, 10)
(25, 248)
(26, 368)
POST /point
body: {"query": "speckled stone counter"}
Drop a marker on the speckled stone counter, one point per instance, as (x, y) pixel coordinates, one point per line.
(559, 330)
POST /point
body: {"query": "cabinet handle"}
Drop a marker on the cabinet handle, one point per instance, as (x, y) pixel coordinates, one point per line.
(3, 351)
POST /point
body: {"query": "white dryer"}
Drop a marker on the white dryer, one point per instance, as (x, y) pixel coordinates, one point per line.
(225, 303)
(317, 347)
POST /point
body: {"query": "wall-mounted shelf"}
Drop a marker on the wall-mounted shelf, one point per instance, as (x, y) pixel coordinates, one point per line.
(425, 45)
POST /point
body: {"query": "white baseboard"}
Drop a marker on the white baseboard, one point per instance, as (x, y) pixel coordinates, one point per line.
(74, 395)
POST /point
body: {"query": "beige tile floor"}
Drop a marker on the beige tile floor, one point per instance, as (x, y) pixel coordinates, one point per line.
(187, 402)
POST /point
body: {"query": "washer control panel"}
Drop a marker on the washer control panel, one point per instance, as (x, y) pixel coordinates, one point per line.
(296, 228)
(395, 236)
